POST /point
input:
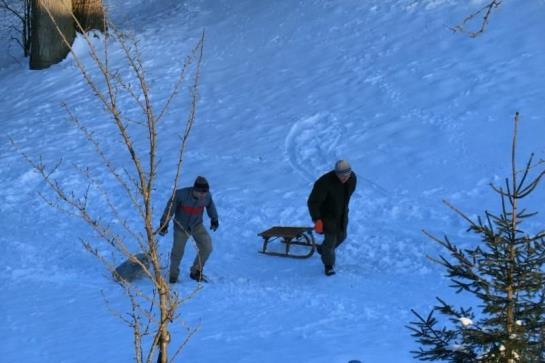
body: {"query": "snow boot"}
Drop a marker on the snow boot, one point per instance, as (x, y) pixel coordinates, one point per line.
(198, 276)
(172, 279)
(328, 270)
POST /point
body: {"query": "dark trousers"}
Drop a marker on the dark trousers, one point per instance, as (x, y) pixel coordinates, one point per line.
(330, 243)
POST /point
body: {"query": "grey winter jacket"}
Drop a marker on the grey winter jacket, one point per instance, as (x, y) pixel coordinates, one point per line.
(188, 209)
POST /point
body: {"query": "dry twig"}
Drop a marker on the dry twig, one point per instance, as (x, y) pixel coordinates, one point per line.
(485, 12)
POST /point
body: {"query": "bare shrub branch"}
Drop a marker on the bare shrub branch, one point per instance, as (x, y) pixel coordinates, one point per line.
(484, 13)
(19, 22)
(151, 314)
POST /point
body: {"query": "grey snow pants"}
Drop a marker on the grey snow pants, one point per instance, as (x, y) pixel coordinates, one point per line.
(204, 247)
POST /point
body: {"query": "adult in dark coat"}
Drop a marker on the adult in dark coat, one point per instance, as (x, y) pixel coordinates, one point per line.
(328, 207)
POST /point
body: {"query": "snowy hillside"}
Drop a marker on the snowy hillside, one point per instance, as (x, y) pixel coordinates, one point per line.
(288, 87)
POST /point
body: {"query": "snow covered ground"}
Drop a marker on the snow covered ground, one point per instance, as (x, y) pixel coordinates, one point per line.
(288, 87)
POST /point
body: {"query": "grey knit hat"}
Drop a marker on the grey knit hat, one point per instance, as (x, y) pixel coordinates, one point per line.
(342, 167)
(201, 184)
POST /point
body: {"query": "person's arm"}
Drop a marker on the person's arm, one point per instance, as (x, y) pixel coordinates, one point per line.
(167, 214)
(354, 183)
(212, 214)
(315, 200)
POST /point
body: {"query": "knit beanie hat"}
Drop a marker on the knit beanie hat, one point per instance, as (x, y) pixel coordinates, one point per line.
(201, 184)
(342, 167)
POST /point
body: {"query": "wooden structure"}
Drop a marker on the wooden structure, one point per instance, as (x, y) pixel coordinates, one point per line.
(289, 237)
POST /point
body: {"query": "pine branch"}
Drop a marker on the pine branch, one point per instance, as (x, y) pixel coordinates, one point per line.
(505, 273)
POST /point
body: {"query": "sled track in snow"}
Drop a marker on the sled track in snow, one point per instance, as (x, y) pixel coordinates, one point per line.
(311, 144)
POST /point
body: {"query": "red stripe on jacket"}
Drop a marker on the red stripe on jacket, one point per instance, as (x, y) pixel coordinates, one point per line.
(195, 211)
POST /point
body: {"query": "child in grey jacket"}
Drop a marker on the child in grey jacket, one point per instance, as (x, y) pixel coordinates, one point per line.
(187, 206)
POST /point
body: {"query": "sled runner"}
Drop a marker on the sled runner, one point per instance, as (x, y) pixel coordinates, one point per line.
(289, 236)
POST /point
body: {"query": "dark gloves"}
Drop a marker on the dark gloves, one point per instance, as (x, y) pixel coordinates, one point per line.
(163, 230)
(214, 224)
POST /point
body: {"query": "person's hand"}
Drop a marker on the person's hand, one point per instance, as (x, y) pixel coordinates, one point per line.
(214, 224)
(319, 226)
(163, 231)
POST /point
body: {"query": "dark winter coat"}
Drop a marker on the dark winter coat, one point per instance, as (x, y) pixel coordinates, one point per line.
(329, 200)
(188, 209)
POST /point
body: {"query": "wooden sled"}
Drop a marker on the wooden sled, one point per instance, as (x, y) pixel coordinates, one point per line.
(289, 236)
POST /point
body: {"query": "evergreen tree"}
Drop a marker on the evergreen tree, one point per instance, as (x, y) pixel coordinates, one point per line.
(504, 272)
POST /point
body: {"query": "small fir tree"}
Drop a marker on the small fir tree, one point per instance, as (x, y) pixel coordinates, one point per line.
(504, 273)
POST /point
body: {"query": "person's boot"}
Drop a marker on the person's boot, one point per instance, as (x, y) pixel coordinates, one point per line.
(328, 270)
(172, 279)
(198, 276)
